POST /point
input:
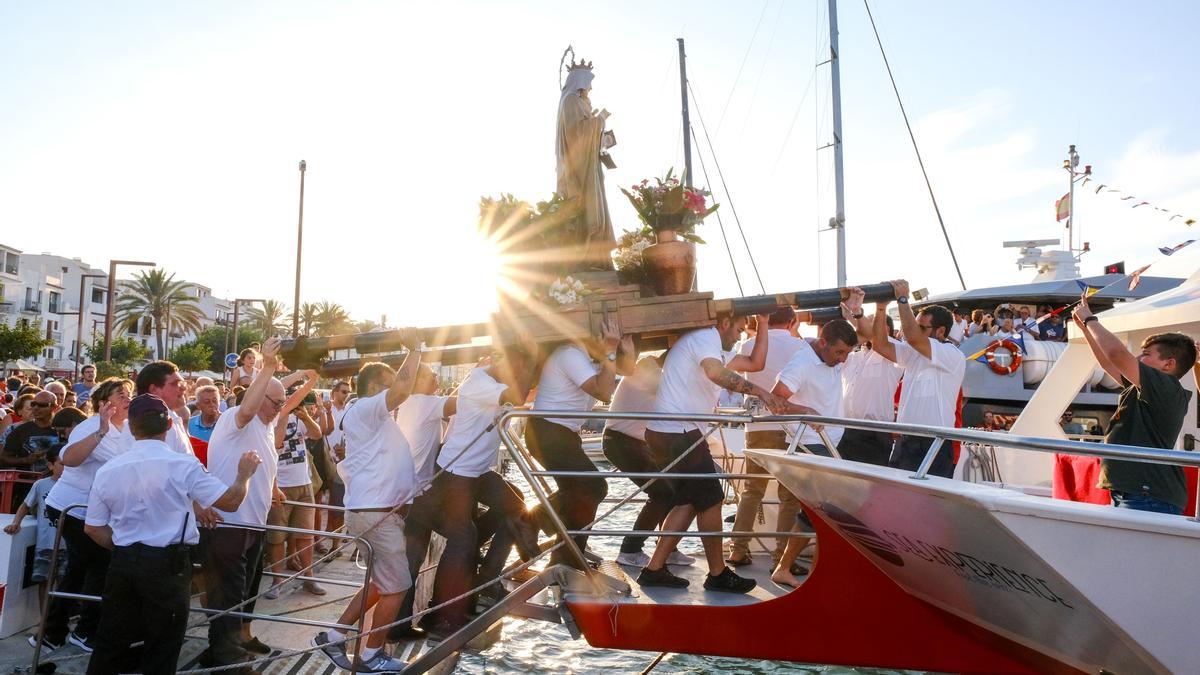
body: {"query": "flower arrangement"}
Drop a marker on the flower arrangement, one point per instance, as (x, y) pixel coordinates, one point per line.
(627, 256)
(668, 204)
(521, 227)
(568, 291)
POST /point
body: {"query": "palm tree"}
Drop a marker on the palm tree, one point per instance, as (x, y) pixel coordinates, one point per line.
(366, 326)
(332, 319)
(272, 318)
(155, 296)
(308, 317)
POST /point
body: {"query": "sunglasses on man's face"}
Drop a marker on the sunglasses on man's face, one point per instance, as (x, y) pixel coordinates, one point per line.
(38, 404)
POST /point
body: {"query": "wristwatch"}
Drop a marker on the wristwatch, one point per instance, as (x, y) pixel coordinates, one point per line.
(903, 300)
(612, 356)
(1090, 319)
(856, 316)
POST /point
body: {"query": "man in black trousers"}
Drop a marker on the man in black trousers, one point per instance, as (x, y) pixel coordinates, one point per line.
(141, 509)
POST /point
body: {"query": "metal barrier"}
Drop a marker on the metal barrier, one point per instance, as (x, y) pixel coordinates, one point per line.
(51, 580)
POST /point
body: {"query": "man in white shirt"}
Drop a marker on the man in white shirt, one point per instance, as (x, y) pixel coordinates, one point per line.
(335, 450)
(571, 382)
(162, 379)
(958, 330)
(467, 476)
(783, 345)
(1026, 323)
(812, 380)
(233, 551)
(379, 477)
(933, 375)
(141, 510)
(693, 375)
(869, 384)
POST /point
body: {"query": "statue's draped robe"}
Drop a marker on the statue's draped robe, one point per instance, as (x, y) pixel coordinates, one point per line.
(580, 175)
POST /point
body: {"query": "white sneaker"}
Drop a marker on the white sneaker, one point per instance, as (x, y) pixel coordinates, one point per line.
(677, 558)
(335, 653)
(636, 559)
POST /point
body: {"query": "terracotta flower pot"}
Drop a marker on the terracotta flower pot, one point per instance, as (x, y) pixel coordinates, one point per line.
(670, 265)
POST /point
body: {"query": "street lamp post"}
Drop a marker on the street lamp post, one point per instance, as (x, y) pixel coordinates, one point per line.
(237, 302)
(79, 329)
(112, 292)
(299, 249)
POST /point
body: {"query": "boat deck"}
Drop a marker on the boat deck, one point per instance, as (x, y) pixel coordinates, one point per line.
(695, 594)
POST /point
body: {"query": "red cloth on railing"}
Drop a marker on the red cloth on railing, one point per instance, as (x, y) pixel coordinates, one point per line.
(1075, 479)
(201, 449)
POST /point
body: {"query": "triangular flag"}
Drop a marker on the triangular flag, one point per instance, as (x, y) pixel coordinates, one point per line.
(980, 355)
(1168, 250)
(1087, 290)
(1140, 204)
(1062, 208)
(1136, 276)
(1190, 221)
(1020, 340)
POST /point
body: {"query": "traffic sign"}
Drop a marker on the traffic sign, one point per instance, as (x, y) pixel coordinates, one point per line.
(231, 360)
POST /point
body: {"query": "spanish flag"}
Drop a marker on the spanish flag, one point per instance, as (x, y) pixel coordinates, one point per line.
(1062, 207)
(1087, 290)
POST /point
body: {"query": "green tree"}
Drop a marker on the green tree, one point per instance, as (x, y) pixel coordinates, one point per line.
(273, 318)
(365, 326)
(192, 356)
(332, 319)
(126, 352)
(308, 317)
(22, 341)
(216, 338)
(157, 296)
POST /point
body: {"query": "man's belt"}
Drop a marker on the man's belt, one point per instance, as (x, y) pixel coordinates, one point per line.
(402, 510)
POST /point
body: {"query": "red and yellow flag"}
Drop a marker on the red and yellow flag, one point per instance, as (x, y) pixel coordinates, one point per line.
(1062, 208)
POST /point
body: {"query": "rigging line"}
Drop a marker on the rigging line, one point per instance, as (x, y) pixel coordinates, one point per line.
(799, 108)
(745, 58)
(916, 150)
(720, 223)
(721, 175)
(763, 69)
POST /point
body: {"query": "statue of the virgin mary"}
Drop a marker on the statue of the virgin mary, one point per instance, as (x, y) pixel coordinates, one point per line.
(577, 151)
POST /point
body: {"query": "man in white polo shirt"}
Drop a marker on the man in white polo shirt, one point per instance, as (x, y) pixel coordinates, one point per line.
(141, 510)
(467, 476)
(694, 374)
(233, 551)
(869, 384)
(933, 375)
(572, 382)
(812, 380)
(783, 344)
(378, 471)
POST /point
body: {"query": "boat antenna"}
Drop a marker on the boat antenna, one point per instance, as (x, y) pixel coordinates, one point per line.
(917, 150)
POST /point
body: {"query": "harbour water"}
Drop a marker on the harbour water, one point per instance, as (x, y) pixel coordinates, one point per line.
(537, 647)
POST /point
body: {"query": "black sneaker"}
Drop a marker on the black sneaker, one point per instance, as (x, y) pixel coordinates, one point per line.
(47, 644)
(525, 534)
(661, 577)
(729, 582)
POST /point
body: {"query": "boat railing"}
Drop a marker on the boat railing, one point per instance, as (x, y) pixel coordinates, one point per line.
(940, 435)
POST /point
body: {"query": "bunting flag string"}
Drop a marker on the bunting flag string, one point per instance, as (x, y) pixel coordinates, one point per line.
(1125, 197)
(981, 355)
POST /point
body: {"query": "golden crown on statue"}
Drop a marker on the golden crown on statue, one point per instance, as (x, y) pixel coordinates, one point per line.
(580, 64)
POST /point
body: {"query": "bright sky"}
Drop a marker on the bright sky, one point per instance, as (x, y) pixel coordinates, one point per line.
(172, 131)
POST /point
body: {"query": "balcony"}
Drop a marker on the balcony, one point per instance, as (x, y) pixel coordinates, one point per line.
(32, 307)
(56, 336)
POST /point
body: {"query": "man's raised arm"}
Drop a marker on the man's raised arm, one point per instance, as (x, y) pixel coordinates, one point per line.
(914, 335)
(406, 377)
(256, 393)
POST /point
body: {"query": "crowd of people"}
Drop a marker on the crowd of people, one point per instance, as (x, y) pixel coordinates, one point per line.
(1008, 321)
(174, 471)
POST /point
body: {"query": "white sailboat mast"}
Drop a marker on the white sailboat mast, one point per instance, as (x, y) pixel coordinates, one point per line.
(838, 222)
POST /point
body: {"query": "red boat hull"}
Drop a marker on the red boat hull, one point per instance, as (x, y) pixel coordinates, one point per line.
(846, 613)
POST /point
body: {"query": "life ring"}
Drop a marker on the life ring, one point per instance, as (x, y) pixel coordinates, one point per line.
(1012, 348)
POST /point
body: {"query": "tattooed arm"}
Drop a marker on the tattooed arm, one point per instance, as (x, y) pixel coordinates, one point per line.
(725, 378)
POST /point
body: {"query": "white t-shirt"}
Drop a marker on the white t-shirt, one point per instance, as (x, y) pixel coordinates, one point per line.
(869, 385)
(146, 496)
(293, 456)
(177, 437)
(635, 393)
(559, 388)
(930, 392)
(781, 346)
(76, 482)
(378, 469)
(35, 501)
(477, 407)
(684, 387)
(958, 330)
(225, 448)
(1029, 325)
(1004, 335)
(420, 420)
(817, 386)
(334, 437)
